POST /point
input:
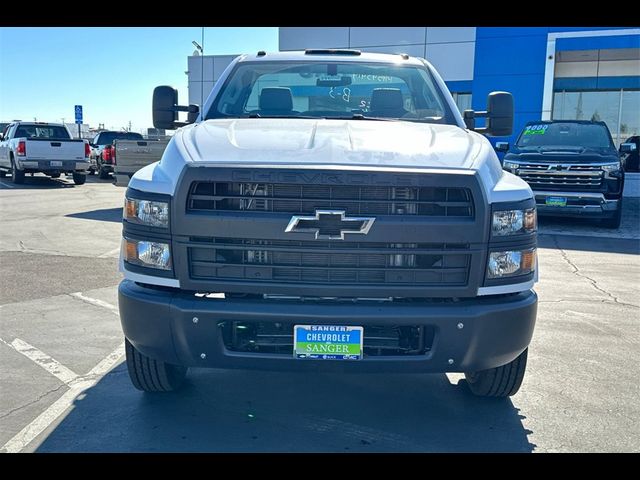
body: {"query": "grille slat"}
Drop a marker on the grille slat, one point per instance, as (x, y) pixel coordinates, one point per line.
(306, 199)
(581, 176)
(294, 261)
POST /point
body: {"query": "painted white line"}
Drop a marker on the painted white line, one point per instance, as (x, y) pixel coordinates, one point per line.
(95, 301)
(109, 253)
(25, 436)
(48, 363)
(7, 185)
(107, 363)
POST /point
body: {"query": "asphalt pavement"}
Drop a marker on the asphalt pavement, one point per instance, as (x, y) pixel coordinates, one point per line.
(64, 388)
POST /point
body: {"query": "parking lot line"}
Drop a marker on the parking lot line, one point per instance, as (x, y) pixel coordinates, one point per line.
(25, 436)
(48, 363)
(109, 253)
(96, 302)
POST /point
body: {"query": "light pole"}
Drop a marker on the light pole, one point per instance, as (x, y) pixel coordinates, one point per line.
(200, 48)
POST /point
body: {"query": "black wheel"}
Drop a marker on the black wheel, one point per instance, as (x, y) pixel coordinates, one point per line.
(150, 375)
(79, 178)
(501, 381)
(55, 175)
(17, 176)
(614, 222)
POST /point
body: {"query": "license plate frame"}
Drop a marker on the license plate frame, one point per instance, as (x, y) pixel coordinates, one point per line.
(328, 342)
(555, 201)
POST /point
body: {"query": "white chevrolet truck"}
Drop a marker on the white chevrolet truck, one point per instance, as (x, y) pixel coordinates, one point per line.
(329, 210)
(31, 147)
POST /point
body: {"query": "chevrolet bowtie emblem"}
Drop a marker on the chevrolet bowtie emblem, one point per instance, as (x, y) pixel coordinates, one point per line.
(330, 224)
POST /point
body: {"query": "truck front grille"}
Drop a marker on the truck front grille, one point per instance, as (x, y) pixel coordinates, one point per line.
(570, 177)
(277, 338)
(312, 262)
(306, 199)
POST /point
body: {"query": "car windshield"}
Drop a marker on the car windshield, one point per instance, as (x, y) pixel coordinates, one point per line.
(351, 90)
(108, 137)
(565, 135)
(42, 131)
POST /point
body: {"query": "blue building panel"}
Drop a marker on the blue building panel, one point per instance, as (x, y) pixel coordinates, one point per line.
(598, 43)
(460, 86)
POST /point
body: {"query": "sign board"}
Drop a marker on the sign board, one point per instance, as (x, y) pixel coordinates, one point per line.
(78, 111)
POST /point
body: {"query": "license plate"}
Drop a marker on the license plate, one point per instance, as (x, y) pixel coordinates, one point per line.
(327, 342)
(56, 163)
(556, 201)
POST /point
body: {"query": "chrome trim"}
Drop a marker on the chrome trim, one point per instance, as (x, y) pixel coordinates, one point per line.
(151, 280)
(511, 288)
(367, 223)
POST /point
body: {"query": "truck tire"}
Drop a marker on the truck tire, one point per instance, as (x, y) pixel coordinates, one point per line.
(79, 178)
(502, 381)
(17, 176)
(614, 222)
(150, 375)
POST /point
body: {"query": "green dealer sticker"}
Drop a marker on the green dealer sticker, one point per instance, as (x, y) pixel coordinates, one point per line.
(536, 129)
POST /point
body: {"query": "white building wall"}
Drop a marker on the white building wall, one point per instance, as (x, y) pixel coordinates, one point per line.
(203, 73)
(450, 49)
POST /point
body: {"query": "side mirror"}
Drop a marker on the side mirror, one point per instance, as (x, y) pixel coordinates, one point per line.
(502, 146)
(627, 147)
(166, 108)
(499, 115)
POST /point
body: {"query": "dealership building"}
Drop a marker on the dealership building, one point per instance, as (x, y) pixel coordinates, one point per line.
(553, 72)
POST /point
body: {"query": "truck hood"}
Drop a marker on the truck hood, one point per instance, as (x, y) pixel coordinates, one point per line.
(330, 142)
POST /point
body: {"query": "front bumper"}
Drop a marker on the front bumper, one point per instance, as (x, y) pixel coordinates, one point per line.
(160, 324)
(54, 165)
(593, 205)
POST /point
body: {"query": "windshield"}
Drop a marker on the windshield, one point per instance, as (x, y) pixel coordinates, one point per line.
(108, 137)
(577, 135)
(42, 131)
(331, 90)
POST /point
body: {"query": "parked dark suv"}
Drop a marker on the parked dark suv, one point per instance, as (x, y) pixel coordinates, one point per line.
(573, 168)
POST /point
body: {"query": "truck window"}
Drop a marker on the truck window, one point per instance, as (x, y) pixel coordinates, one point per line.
(107, 138)
(42, 131)
(331, 90)
(565, 134)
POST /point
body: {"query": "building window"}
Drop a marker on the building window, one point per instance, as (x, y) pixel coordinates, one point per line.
(463, 100)
(619, 109)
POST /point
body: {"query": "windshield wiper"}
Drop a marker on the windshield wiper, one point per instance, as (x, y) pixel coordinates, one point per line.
(257, 115)
(359, 116)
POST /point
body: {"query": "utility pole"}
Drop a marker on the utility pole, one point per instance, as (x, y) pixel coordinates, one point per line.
(202, 73)
(129, 126)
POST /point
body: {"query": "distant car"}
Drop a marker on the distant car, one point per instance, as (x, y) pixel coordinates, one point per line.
(103, 165)
(573, 168)
(631, 160)
(30, 147)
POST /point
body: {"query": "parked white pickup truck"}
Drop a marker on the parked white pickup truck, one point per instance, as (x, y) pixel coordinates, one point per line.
(30, 147)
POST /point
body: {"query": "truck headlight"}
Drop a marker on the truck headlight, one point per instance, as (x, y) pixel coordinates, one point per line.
(147, 254)
(511, 263)
(612, 170)
(509, 165)
(146, 212)
(510, 222)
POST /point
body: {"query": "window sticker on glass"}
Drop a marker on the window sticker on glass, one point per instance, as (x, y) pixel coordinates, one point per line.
(536, 129)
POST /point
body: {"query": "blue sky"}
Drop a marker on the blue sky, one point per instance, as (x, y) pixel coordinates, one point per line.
(44, 72)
